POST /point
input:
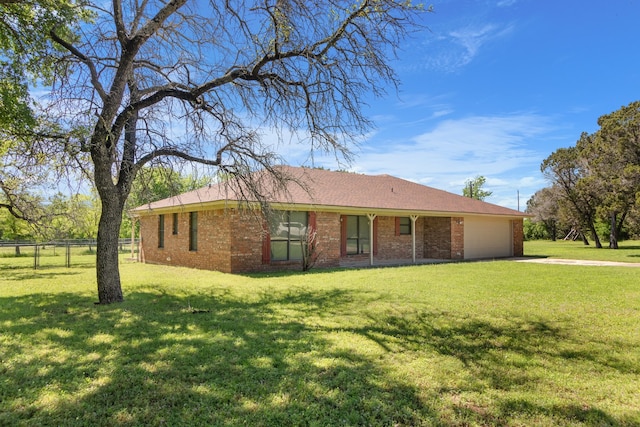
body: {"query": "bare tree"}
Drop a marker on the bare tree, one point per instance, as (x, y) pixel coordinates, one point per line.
(198, 80)
(310, 251)
(544, 206)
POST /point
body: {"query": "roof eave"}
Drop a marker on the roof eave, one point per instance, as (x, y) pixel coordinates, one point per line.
(344, 210)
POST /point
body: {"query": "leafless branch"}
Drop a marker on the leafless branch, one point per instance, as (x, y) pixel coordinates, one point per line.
(95, 80)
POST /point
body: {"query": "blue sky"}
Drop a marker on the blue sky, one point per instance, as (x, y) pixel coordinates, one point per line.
(493, 87)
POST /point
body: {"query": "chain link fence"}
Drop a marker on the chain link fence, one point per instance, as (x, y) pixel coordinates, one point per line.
(59, 253)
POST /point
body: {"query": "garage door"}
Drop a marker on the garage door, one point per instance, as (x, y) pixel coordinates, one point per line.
(487, 237)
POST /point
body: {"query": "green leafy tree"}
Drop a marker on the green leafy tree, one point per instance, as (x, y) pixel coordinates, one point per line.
(569, 171)
(599, 178)
(27, 53)
(28, 56)
(28, 166)
(74, 217)
(156, 183)
(614, 158)
(473, 188)
(12, 228)
(534, 230)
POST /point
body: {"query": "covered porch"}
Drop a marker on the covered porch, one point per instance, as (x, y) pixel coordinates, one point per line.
(400, 238)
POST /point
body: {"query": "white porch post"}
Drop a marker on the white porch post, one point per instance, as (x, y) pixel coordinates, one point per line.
(413, 236)
(371, 218)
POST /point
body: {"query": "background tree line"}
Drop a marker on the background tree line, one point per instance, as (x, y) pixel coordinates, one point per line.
(595, 185)
(76, 216)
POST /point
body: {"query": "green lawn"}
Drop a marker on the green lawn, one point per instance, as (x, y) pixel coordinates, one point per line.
(628, 251)
(492, 343)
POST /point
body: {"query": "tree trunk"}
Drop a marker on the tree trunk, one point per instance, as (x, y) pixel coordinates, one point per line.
(112, 197)
(584, 238)
(595, 236)
(613, 235)
(107, 267)
(621, 223)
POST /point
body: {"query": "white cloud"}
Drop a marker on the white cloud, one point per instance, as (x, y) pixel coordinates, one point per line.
(441, 113)
(458, 149)
(473, 38)
(445, 156)
(478, 144)
(506, 3)
(454, 49)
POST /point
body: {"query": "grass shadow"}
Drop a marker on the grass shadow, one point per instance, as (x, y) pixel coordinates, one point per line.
(21, 274)
(213, 356)
(293, 272)
(499, 355)
(624, 248)
(584, 415)
(189, 360)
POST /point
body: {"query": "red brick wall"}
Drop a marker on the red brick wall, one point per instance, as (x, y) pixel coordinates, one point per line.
(518, 237)
(217, 234)
(238, 243)
(444, 237)
(228, 241)
(328, 239)
(232, 241)
(457, 238)
(392, 246)
(437, 237)
(247, 232)
(213, 241)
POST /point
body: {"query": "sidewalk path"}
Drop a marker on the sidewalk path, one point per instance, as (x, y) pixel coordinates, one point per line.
(578, 262)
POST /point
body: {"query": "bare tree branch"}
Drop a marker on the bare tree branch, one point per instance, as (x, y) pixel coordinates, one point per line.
(12, 210)
(118, 21)
(95, 79)
(170, 152)
(159, 79)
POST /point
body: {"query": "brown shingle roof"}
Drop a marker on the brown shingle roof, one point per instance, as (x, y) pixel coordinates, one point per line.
(347, 191)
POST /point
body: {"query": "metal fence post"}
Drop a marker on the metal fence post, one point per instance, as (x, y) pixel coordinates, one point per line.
(36, 256)
(68, 255)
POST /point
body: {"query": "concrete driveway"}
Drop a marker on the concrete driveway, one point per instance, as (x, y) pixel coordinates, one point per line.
(578, 262)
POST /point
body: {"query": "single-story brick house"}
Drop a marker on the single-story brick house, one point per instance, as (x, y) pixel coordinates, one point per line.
(357, 220)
